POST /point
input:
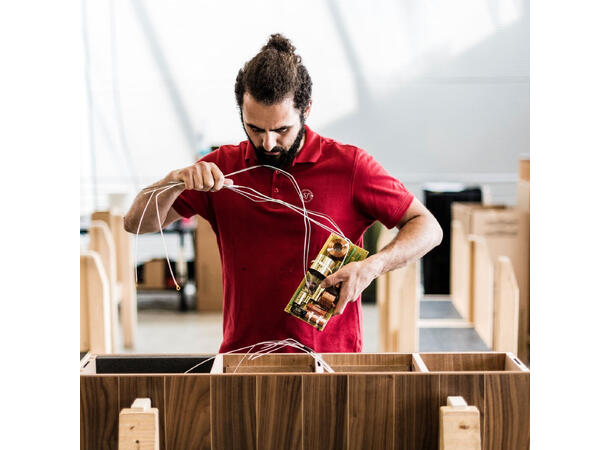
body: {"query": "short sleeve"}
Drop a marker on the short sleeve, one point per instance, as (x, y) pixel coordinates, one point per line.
(377, 194)
(192, 202)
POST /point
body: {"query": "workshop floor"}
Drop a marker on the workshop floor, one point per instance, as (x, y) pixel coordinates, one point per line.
(164, 329)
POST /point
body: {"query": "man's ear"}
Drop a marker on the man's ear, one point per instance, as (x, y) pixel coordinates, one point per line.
(307, 110)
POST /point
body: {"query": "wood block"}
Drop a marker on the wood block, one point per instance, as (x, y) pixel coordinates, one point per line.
(279, 412)
(524, 169)
(506, 308)
(233, 401)
(482, 289)
(507, 421)
(460, 428)
(460, 271)
(139, 426)
(145, 386)
(99, 410)
(187, 412)
(370, 411)
(208, 270)
(325, 412)
(95, 311)
(416, 411)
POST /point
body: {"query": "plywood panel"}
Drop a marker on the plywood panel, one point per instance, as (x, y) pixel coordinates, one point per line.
(371, 411)
(233, 411)
(453, 362)
(417, 403)
(99, 412)
(279, 412)
(187, 412)
(506, 411)
(325, 412)
(482, 289)
(460, 271)
(149, 386)
(471, 387)
(506, 307)
(208, 270)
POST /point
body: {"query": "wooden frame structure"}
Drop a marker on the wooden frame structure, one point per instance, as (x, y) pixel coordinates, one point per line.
(381, 401)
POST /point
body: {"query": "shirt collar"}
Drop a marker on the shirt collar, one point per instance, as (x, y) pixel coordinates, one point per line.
(310, 153)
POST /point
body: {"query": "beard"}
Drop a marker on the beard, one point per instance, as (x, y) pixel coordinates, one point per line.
(286, 156)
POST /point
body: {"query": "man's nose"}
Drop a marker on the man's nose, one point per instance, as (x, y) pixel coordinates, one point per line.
(269, 141)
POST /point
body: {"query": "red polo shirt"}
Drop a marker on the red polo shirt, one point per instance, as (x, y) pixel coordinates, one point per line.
(261, 244)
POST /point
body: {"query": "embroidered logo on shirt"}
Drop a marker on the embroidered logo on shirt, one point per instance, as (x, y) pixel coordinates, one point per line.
(307, 195)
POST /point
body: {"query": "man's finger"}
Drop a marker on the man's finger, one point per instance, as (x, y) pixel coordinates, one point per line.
(333, 279)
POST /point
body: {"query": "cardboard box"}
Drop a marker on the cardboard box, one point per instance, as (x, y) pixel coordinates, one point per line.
(154, 274)
(208, 270)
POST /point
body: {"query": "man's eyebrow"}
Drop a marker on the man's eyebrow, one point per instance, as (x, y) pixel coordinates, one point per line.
(283, 127)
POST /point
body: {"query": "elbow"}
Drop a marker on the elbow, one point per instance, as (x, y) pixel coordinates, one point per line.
(128, 225)
(437, 234)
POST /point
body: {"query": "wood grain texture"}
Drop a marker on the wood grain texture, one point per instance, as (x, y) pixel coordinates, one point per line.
(482, 289)
(507, 408)
(416, 409)
(370, 411)
(208, 270)
(506, 307)
(187, 412)
(99, 412)
(460, 271)
(325, 412)
(146, 386)
(279, 412)
(233, 412)
(471, 387)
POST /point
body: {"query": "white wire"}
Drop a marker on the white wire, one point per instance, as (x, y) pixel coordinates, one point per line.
(270, 344)
(255, 196)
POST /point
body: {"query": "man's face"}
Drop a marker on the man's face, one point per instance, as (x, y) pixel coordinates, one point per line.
(275, 131)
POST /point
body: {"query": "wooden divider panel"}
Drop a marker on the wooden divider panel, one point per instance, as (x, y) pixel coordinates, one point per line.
(506, 307)
(279, 412)
(370, 411)
(187, 412)
(99, 412)
(416, 411)
(507, 408)
(95, 304)
(460, 271)
(233, 412)
(482, 289)
(325, 412)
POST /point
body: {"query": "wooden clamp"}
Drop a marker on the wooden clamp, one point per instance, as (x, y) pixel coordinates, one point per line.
(139, 426)
(460, 426)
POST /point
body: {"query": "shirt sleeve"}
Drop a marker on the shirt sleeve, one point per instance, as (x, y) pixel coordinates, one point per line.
(192, 202)
(377, 194)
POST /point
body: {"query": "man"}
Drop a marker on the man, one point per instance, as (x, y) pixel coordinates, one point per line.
(261, 244)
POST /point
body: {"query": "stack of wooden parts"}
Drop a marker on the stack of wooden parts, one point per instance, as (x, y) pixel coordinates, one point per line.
(489, 266)
(380, 401)
(398, 294)
(120, 271)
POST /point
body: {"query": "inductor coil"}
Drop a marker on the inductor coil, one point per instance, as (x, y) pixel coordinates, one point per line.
(337, 248)
(327, 300)
(312, 307)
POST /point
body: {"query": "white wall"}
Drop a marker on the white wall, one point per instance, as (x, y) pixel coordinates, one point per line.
(437, 90)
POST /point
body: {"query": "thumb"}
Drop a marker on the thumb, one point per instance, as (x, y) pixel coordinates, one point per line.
(228, 182)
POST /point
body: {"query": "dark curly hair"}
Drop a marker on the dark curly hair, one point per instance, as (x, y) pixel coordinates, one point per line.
(274, 73)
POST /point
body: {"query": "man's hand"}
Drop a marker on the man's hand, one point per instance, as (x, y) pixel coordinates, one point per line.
(354, 278)
(201, 176)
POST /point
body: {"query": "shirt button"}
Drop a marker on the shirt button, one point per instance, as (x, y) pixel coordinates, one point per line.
(277, 172)
(276, 190)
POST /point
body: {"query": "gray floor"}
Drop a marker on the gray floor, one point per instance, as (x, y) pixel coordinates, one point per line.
(164, 329)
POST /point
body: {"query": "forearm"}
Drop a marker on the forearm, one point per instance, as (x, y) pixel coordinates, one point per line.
(150, 220)
(415, 238)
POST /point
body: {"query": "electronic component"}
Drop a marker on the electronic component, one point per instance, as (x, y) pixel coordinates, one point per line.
(311, 303)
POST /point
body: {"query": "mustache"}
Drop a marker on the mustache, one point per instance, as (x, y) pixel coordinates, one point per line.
(277, 148)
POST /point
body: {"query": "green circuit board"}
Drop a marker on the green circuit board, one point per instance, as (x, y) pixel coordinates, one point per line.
(312, 304)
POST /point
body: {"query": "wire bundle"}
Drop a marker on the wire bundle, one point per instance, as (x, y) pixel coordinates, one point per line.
(269, 347)
(256, 197)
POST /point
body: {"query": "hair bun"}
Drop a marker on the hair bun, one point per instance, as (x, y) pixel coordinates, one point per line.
(279, 43)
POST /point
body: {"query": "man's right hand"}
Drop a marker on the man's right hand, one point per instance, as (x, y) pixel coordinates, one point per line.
(201, 176)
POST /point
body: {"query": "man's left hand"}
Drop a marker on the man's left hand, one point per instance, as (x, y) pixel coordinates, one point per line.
(354, 278)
